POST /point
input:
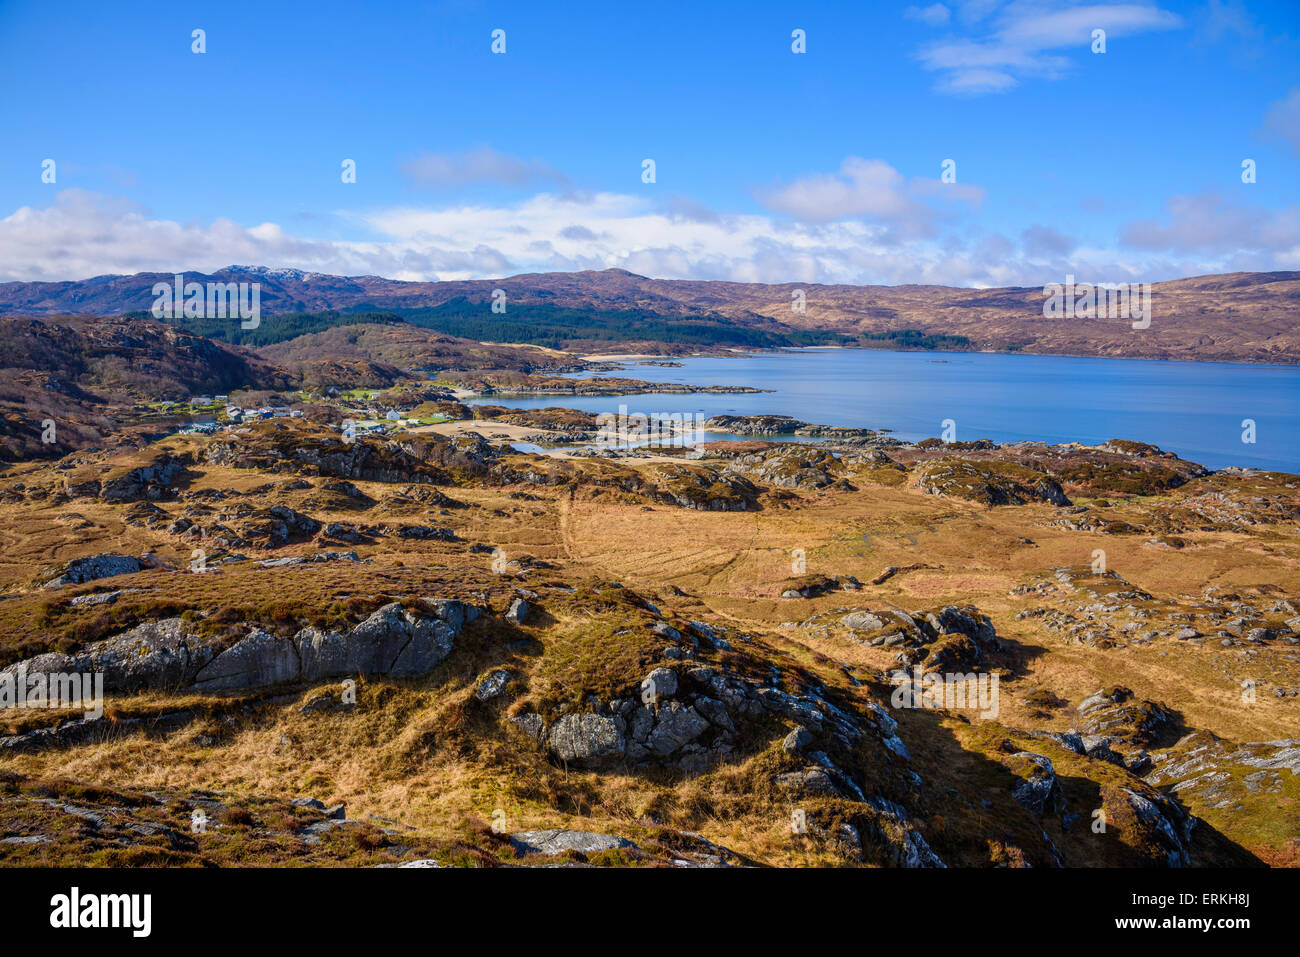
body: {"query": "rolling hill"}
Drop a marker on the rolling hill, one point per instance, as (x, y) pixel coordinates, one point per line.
(1239, 317)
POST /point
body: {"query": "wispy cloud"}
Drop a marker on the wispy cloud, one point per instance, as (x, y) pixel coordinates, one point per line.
(482, 166)
(1211, 223)
(1282, 121)
(936, 14)
(1028, 38)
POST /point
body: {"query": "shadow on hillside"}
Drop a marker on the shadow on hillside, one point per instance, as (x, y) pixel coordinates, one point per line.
(970, 789)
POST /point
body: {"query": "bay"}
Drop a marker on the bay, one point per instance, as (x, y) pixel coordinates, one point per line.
(1195, 409)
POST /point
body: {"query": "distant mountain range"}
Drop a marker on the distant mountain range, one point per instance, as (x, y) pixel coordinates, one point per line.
(1244, 317)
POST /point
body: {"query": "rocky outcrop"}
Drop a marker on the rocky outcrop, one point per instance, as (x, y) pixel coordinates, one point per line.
(243, 526)
(586, 740)
(423, 459)
(817, 585)
(1221, 776)
(796, 466)
(555, 841)
(753, 424)
(693, 717)
(1037, 789)
(946, 640)
(1152, 825)
(699, 487)
(987, 483)
(169, 654)
(81, 570)
(1118, 727)
(153, 481)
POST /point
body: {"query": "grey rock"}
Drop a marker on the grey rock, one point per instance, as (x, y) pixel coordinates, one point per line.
(1040, 792)
(518, 613)
(863, 621)
(676, 725)
(555, 841)
(586, 740)
(813, 782)
(716, 713)
(153, 655)
(99, 598)
(492, 686)
(660, 683)
(797, 740)
(530, 724)
(665, 630)
(82, 570)
(259, 659)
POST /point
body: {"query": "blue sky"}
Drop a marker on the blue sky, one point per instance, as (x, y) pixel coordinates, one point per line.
(770, 165)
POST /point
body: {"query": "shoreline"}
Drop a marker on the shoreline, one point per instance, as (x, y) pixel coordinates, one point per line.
(744, 353)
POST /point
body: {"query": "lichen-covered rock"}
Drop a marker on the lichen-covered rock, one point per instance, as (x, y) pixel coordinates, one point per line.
(863, 621)
(586, 740)
(161, 654)
(555, 841)
(492, 685)
(530, 724)
(1038, 791)
(811, 782)
(676, 725)
(660, 683)
(258, 660)
(81, 570)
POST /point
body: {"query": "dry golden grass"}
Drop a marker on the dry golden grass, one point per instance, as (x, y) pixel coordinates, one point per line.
(425, 754)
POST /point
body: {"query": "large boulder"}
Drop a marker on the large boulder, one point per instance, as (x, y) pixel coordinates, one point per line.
(555, 841)
(863, 621)
(166, 654)
(155, 654)
(1038, 791)
(259, 659)
(161, 654)
(586, 740)
(81, 570)
(392, 641)
(676, 725)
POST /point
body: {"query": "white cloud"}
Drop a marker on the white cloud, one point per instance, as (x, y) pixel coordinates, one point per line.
(82, 235)
(1027, 39)
(867, 189)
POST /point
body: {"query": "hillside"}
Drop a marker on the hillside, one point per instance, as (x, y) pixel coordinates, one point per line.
(94, 378)
(388, 351)
(365, 652)
(1243, 317)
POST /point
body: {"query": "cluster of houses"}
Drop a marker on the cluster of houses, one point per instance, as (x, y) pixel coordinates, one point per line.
(373, 426)
(375, 423)
(234, 414)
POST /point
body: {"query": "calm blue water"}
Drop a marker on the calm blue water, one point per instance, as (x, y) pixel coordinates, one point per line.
(1192, 408)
